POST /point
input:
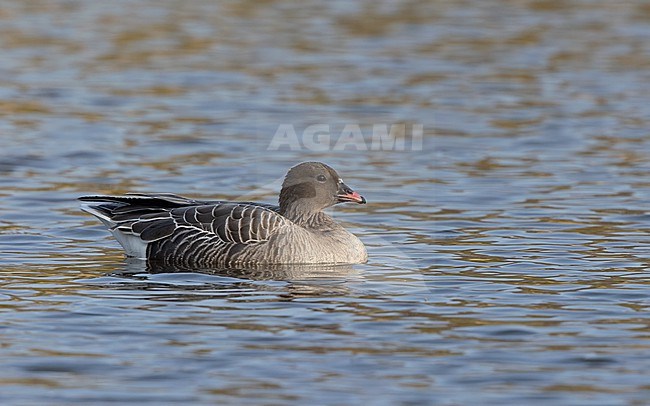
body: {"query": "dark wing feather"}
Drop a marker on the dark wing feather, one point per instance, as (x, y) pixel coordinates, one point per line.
(234, 223)
(144, 200)
(154, 230)
(125, 209)
(155, 216)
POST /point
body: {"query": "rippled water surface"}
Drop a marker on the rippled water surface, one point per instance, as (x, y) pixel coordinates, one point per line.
(509, 255)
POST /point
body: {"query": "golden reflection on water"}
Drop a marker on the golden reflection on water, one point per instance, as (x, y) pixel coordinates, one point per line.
(511, 246)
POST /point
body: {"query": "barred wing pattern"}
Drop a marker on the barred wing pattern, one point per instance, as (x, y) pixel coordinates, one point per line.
(175, 230)
(206, 233)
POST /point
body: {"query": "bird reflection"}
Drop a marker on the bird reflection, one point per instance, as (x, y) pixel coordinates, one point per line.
(304, 280)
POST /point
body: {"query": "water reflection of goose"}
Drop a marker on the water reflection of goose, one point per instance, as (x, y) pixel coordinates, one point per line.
(284, 280)
(277, 272)
(176, 230)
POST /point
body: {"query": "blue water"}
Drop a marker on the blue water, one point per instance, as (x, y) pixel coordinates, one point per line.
(508, 251)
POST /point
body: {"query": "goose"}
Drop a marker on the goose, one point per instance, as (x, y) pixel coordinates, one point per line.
(172, 229)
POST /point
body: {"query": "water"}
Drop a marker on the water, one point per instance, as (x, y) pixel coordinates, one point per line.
(508, 256)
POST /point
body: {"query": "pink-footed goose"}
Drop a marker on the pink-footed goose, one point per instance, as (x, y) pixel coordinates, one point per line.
(172, 229)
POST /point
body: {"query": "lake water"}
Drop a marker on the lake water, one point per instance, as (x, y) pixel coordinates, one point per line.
(509, 245)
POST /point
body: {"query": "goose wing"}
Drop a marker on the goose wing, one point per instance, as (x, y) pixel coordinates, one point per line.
(228, 222)
(155, 216)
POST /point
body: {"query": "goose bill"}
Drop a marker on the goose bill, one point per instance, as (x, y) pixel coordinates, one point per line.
(351, 197)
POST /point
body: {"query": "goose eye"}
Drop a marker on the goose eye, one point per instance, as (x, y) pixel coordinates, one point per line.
(321, 178)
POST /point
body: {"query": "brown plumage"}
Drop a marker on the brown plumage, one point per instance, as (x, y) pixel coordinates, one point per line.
(176, 230)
